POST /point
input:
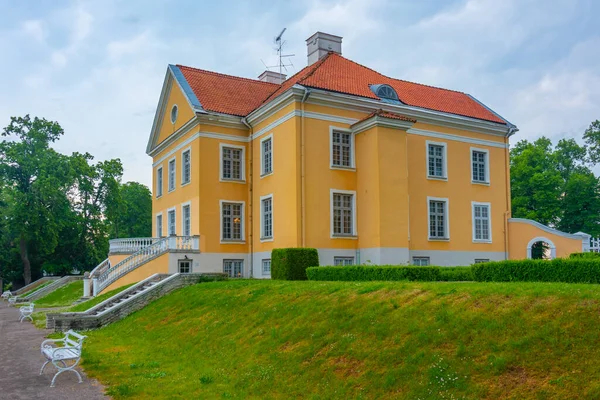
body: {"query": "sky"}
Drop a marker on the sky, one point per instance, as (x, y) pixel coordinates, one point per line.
(97, 67)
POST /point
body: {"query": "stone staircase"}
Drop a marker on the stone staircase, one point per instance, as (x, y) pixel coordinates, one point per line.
(128, 301)
(58, 283)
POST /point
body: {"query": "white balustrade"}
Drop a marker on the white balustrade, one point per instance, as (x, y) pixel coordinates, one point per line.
(130, 245)
(595, 245)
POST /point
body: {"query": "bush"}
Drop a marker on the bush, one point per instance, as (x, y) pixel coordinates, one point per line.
(291, 264)
(456, 274)
(374, 273)
(570, 270)
(591, 254)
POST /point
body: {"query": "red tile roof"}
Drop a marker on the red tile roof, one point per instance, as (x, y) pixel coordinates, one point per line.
(225, 93)
(386, 114)
(240, 96)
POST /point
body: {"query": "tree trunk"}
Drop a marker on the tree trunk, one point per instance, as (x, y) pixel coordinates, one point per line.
(25, 259)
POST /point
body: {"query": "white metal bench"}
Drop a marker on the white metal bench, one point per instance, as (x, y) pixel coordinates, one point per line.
(6, 295)
(12, 300)
(65, 357)
(26, 312)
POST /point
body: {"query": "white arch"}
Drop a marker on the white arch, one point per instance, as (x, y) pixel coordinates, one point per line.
(542, 239)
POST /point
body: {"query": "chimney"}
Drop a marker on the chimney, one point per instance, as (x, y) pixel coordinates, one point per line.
(319, 44)
(272, 77)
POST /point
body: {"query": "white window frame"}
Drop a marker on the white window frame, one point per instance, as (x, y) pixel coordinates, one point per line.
(174, 159)
(341, 261)
(159, 232)
(352, 166)
(264, 238)
(183, 205)
(262, 266)
(241, 260)
(263, 173)
(444, 145)
(446, 219)
(242, 163)
(183, 182)
(174, 110)
(174, 209)
(190, 263)
(160, 188)
(487, 165)
(414, 258)
(243, 222)
(354, 234)
(489, 206)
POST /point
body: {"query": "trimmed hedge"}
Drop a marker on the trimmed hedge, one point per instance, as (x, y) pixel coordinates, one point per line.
(570, 270)
(374, 273)
(290, 264)
(591, 254)
(456, 274)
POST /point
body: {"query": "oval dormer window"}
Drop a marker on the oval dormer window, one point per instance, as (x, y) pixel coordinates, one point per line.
(174, 114)
(385, 93)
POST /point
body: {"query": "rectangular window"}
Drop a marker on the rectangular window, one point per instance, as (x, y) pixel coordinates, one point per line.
(186, 167)
(341, 149)
(420, 261)
(343, 214)
(232, 221)
(479, 166)
(159, 182)
(185, 266)
(186, 220)
(267, 218)
(481, 260)
(172, 175)
(232, 163)
(266, 267)
(171, 222)
(481, 222)
(234, 268)
(266, 149)
(436, 154)
(159, 225)
(341, 261)
(438, 219)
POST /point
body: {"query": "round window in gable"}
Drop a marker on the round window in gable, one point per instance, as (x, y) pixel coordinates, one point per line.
(385, 93)
(174, 114)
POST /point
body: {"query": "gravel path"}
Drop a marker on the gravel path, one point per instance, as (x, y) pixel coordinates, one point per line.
(20, 363)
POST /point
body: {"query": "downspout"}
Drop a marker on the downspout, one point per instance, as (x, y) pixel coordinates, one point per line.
(511, 131)
(250, 191)
(302, 170)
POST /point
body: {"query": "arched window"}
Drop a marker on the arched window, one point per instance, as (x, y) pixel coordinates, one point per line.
(385, 93)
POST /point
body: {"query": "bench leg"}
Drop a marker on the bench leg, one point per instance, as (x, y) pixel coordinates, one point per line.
(63, 370)
(43, 366)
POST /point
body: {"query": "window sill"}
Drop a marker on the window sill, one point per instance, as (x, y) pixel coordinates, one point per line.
(171, 190)
(352, 237)
(435, 239)
(186, 183)
(158, 197)
(243, 181)
(482, 241)
(265, 175)
(233, 241)
(480, 183)
(437, 178)
(342, 168)
(266, 239)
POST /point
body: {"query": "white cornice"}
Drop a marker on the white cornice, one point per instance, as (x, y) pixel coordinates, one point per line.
(546, 228)
(381, 121)
(458, 138)
(188, 126)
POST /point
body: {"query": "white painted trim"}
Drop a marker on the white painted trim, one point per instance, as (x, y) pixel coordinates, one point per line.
(182, 131)
(546, 228)
(447, 219)
(352, 149)
(243, 222)
(189, 148)
(487, 165)
(188, 204)
(489, 206)
(176, 114)
(162, 224)
(174, 159)
(330, 118)
(176, 149)
(262, 164)
(262, 220)
(174, 209)
(242, 163)
(444, 176)
(541, 239)
(464, 139)
(354, 225)
(262, 270)
(162, 183)
(378, 120)
(224, 136)
(276, 123)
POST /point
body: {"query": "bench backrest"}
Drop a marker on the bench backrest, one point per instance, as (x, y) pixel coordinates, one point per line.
(74, 339)
(6, 294)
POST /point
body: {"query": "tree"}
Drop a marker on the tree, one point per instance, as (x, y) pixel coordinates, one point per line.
(591, 136)
(36, 178)
(133, 214)
(581, 204)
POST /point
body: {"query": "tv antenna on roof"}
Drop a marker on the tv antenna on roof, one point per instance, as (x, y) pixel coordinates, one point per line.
(283, 58)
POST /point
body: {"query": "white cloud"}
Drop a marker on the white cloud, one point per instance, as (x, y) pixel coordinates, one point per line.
(34, 29)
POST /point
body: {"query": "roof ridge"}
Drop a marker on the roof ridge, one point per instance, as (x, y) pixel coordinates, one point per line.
(228, 76)
(396, 79)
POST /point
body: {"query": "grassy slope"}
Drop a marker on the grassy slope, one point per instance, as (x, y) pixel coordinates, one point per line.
(86, 305)
(324, 340)
(64, 296)
(36, 289)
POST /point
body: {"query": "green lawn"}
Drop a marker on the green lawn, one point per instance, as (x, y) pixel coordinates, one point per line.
(61, 297)
(36, 288)
(86, 305)
(353, 340)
